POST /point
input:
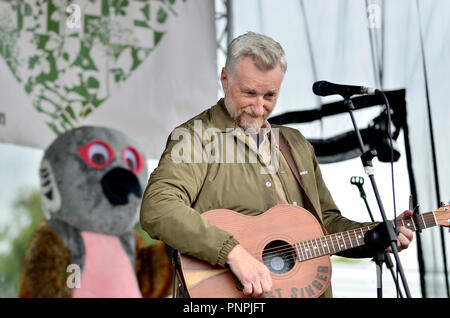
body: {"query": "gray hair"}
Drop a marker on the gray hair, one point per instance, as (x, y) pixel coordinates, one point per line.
(265, 52)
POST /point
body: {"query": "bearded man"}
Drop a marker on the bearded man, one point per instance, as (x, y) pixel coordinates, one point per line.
(179, 191)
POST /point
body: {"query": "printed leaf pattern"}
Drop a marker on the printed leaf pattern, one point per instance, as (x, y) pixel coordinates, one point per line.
(69, 56)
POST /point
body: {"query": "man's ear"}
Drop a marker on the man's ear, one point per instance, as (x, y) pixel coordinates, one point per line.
(224, 79)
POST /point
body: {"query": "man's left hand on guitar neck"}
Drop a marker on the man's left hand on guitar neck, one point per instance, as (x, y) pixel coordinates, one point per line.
(405, 235)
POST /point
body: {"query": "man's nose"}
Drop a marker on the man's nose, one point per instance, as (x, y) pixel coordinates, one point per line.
(259, 106)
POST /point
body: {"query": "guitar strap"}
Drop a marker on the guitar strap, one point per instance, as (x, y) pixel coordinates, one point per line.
(284, 148)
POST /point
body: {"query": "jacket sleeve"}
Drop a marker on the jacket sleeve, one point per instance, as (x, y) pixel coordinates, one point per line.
(166, 212)
(333, 221)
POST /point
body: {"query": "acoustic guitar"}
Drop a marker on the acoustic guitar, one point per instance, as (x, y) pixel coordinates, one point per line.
(291, 243)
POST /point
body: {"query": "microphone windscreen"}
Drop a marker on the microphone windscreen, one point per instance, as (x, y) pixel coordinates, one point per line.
(317, 87)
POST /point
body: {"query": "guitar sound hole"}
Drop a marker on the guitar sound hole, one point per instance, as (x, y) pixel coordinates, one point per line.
(279, 257)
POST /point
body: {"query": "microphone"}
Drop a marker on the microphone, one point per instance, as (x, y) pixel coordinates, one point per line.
(324, 88)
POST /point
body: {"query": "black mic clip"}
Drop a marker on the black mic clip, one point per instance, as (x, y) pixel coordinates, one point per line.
(358, 181)
(367, 157)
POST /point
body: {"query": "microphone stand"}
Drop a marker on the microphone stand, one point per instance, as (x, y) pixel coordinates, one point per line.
(383, 233)
(358, 181)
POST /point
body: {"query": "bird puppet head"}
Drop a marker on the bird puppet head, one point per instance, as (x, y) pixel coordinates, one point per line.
(92, 178)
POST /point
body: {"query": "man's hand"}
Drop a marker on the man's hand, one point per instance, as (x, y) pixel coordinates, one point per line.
(405, 235)
(253, 274)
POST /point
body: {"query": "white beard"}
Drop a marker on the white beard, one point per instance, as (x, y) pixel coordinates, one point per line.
(245, 118)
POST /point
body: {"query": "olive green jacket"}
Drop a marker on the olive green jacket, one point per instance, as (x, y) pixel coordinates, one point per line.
(195, 175)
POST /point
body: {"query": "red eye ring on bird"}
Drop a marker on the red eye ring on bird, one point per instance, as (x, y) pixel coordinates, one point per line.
(98, 154)
(133, 159)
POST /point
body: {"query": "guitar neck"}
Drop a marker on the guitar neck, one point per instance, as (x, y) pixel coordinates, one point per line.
(338, 242)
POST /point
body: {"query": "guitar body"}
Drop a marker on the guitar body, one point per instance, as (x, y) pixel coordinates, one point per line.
(271, 238)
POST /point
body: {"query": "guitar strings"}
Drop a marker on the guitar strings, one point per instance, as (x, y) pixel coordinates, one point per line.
(312, 246)
(289, 251)
(347, 233)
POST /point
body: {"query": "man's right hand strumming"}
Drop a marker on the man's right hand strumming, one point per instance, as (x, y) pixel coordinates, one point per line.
(253, 274)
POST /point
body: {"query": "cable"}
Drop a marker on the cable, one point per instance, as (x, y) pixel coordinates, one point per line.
(388, 109)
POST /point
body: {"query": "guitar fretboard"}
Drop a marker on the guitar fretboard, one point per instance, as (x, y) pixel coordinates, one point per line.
(338, 242)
